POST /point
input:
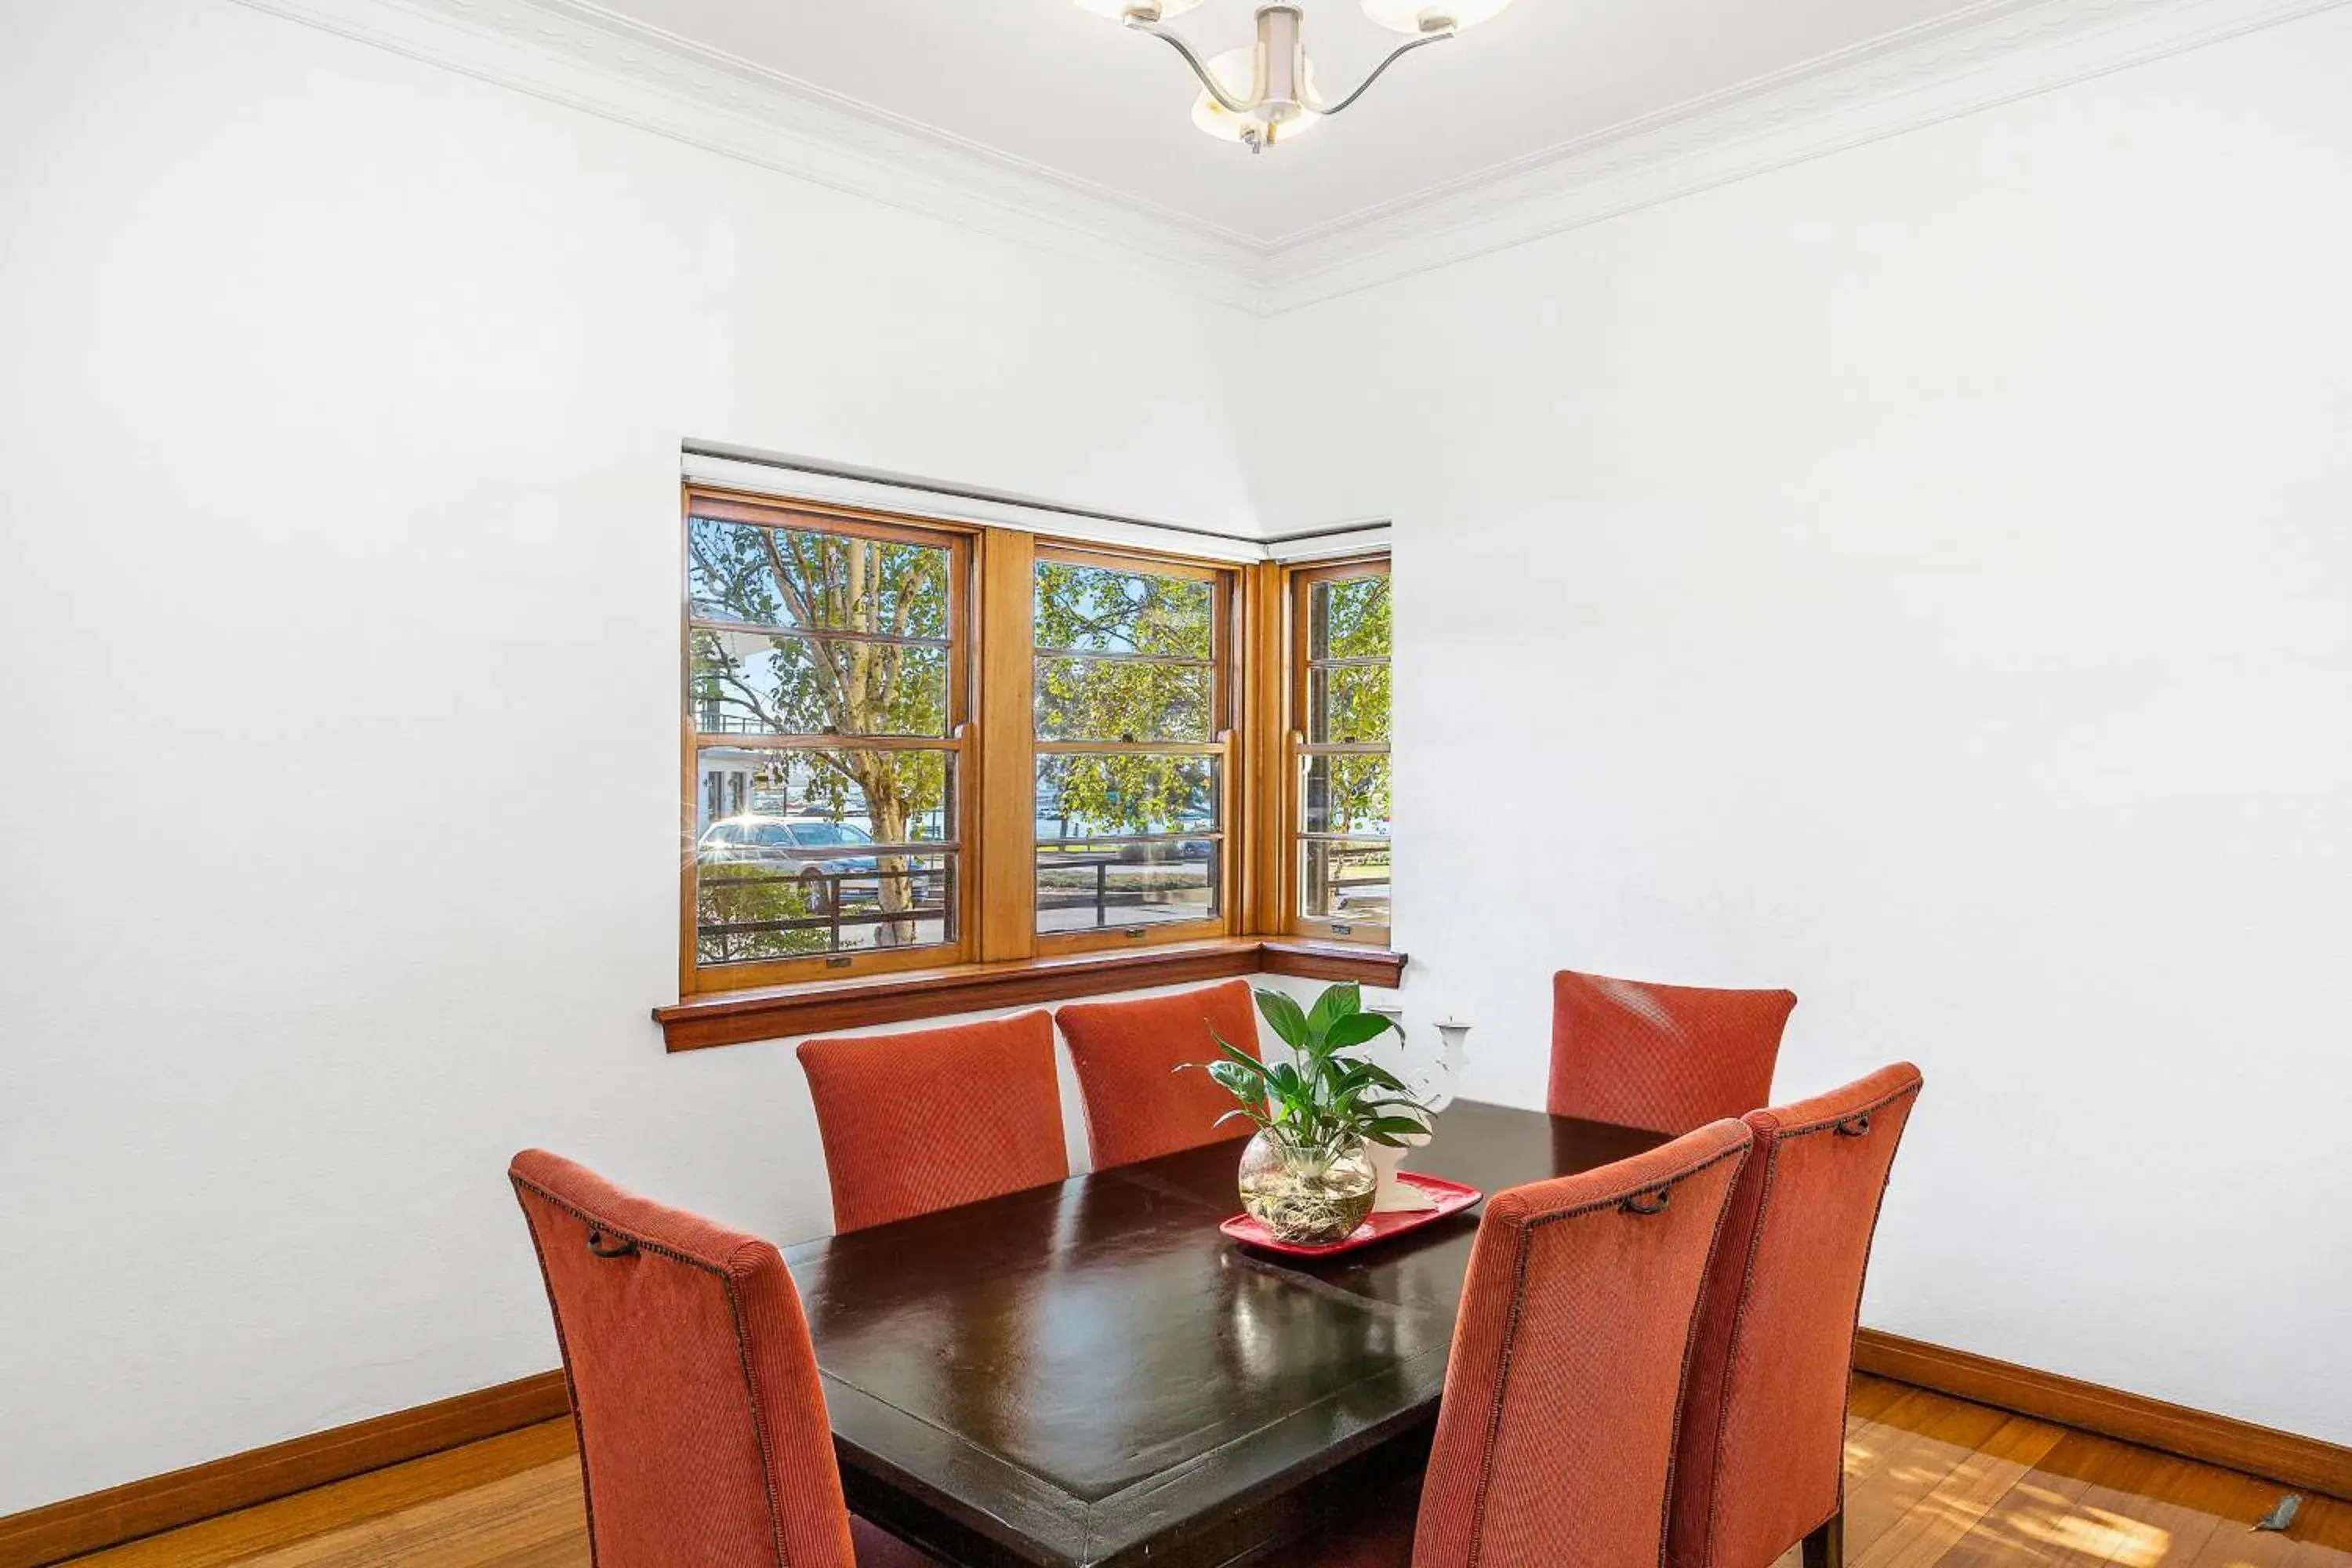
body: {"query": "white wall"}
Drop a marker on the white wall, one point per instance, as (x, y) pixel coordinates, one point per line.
(1924, 573)
(1924, 578)
(341, 399)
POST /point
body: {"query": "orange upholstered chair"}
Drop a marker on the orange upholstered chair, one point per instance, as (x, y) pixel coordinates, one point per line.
(934, 1117)
(1667, 1058)
(1556, 1435)
(1762, 1462)
(703, 1436)
(1127, 1053)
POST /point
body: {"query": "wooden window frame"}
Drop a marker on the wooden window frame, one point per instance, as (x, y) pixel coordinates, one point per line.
(1223, 745)
(1300, 584)
(999, 958)
(695, 978)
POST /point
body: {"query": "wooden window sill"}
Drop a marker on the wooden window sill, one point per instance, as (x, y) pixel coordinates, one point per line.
(816, 1006)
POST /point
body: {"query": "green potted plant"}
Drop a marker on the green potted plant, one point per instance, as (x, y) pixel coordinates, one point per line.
(1307, 1176)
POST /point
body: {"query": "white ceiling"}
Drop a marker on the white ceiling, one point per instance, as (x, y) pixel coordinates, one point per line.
(1044, 83)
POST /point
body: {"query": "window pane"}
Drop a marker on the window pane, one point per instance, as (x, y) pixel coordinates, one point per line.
(794, 873)
(1347, 796)
(1097, 609)
(792, 577)
(802, 806)
(1347, 703)
(753, 910)
(1092, 886)
(1348, 618)
(1345, 882)
(1120, 700)
(759, 683)
(1124, 793)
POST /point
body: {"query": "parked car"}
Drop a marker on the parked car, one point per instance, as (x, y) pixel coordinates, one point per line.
(818, 848)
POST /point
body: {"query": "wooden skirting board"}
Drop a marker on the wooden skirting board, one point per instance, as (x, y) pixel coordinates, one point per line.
(63, 1530)
(2199, 1434)
(77, 1525)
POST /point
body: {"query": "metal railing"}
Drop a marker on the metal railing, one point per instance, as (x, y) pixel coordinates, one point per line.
(1105, 896)
(833, 906)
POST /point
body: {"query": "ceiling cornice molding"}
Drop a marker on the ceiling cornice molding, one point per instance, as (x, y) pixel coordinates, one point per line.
(1992, 54)
(574, 53)
(578, 55)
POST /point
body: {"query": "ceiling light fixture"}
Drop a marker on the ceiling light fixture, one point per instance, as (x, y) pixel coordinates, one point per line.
(1263, 94)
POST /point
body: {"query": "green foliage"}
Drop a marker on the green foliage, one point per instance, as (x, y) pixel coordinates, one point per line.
(1092, 610)
(794, 587)
(1349, 704)
(1323, 1095)
(730, 896)
(1095, 609)
(1121, 792)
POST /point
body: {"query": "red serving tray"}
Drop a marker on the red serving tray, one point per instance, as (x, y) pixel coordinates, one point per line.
(1451, 1197)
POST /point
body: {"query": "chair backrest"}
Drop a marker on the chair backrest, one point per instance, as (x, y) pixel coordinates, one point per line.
(1763, 1445)
(1556, 1435)
(703, 1436)
(1667, 1058)
(933, 1118)
(1127, 1053)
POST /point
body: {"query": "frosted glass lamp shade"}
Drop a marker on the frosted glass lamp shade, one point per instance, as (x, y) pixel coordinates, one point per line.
(1408, 15)
(1236, 72)
(1117, 9)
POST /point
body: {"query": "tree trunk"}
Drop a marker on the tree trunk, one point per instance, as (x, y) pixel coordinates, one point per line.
(887, 814)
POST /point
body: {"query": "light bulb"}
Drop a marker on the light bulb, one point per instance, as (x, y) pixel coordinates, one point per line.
(1236, 72)
(1117, 9)
(1420, 16)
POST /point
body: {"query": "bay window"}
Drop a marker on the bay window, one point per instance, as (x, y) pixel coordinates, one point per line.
(938, 766)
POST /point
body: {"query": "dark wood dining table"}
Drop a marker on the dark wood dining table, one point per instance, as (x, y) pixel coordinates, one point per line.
(1092, 1374)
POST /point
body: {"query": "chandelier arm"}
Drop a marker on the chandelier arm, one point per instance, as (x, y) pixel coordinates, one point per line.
(1435, 37)
(1208, 78)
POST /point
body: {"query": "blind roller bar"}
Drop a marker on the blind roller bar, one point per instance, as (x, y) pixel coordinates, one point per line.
(810, 479)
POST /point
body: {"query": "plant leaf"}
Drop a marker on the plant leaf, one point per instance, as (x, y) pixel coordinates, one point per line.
(1395, 1126)
(1378, 1074)
(1247, 1059)
(1237, 1081)
(1338, 1001)
(1355, 1028)
(1283, 1016)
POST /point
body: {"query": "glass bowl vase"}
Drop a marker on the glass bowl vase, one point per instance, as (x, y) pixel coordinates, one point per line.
(1308, 1194)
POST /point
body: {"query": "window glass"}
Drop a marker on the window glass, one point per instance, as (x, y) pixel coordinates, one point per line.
(782, 683)
(1121, 700)
(1340, 690)
(1124, 885)
(1344, 794)
(1130, 774)
(801, 641)
(1103, 610)
(1344, 883)
(804, 580)
(1096, 794)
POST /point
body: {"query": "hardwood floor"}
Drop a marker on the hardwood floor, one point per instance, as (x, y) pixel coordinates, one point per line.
(1932, 1483)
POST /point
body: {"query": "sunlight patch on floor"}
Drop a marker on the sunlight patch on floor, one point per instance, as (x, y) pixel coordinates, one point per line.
(2095, 1535)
